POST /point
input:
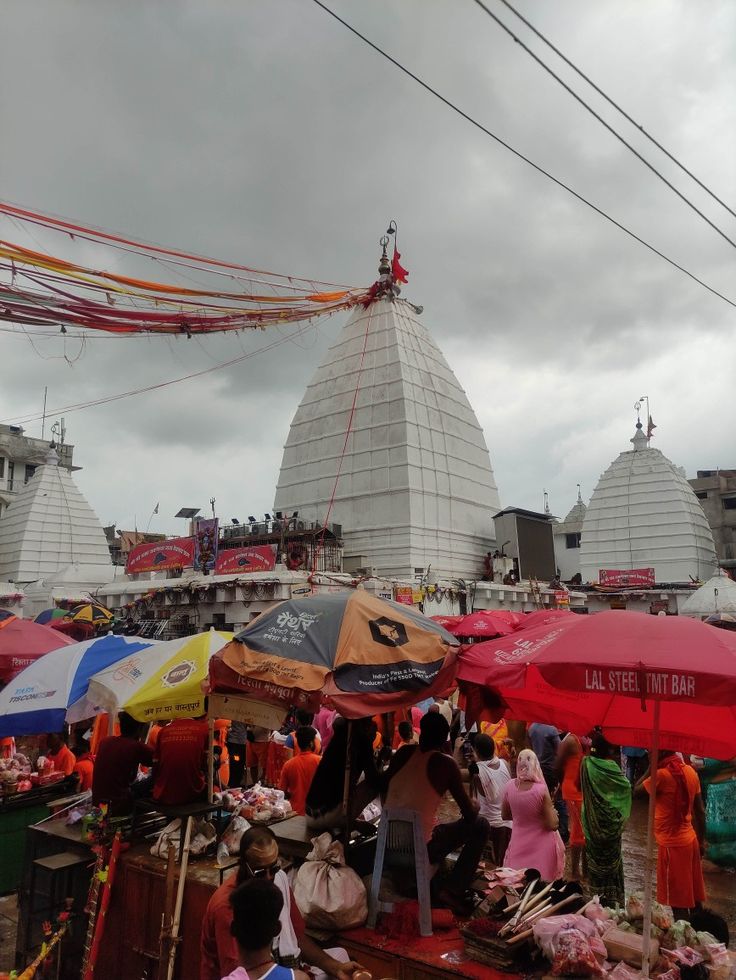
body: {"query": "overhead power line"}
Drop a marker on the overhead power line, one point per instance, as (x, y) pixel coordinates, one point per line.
(618, 108)
(517, 153)
(596, 115)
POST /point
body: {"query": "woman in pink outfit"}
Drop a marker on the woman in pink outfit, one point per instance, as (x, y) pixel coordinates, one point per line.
(535, 842)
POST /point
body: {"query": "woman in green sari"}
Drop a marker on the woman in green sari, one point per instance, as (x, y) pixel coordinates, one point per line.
(606, 808)
(718, 780)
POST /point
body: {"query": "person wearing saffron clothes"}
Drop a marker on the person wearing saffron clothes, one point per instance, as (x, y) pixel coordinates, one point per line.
(180, 762)
(297, 773)
(417, 779)
(259, 859)
(488, 778)
(568, 764)
(222, 755)
(535, 840)
(116, 766)
(606, 808)
(60, 754)
(84, 767)
(257, 906)
(679, 829)
(303, 720)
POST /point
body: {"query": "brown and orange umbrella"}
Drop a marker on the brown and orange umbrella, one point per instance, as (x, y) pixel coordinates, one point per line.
(366, 655)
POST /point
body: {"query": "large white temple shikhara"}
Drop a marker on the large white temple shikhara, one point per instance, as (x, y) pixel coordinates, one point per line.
(386, 442)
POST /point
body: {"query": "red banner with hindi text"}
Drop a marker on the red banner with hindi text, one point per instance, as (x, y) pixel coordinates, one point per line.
(637, 578)
(241, 561)
(160, 555)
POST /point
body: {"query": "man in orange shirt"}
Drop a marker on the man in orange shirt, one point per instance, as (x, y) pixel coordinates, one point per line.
(60, 754)
(179, 762)
(84, 767)
(679, 829)
(298, 773)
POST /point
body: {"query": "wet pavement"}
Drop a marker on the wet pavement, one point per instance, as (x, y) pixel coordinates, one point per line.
(720, 885)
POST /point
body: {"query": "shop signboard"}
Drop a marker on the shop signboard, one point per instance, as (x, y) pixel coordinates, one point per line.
(160, 555)
(633, 578)
(237, 708)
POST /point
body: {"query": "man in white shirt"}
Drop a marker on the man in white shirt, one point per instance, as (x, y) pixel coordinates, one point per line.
(488, 778)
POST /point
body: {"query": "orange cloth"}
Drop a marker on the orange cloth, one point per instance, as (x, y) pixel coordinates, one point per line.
(499, 732)
(7, 747)
(276, 758)
(222, 727)
(296, 778)
(680, 875)
(571, 791)
(64, 760)
(100, 730)
(670, 828)
(575, 823)
(85, 768)
(256, 754)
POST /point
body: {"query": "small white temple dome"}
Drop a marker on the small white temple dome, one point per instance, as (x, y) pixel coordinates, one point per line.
(49, 526)
(644, 514)
(717, 595)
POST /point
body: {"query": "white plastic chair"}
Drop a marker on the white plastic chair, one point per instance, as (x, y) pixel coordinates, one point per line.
(401, 844)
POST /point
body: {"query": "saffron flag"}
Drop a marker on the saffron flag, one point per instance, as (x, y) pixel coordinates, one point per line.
(399, 272)
(650, 427)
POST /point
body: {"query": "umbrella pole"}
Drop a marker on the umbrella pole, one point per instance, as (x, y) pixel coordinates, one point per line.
(211, 760)
(649, 863)
(346, 794)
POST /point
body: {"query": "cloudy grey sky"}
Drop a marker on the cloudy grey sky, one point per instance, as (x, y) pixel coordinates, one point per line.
(262, 132)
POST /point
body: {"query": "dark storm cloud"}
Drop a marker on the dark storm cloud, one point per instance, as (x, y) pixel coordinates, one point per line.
(266, 134)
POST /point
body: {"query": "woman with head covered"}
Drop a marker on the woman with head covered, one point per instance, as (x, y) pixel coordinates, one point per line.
(535, 840)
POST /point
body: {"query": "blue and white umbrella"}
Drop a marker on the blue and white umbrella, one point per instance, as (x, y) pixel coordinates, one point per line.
(37, 699)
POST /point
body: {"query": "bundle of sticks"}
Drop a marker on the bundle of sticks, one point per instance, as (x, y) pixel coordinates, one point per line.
(538, 901)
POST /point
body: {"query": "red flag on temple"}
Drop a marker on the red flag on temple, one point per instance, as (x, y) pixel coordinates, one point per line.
(399, 272)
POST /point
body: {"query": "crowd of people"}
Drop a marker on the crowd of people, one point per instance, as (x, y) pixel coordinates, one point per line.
(544, 799)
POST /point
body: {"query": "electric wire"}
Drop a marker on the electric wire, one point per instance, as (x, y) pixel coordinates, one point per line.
(106, 399)
(517, 153)
(603, 122)
(617, 107)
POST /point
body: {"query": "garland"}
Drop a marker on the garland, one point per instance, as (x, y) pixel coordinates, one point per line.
(52, 291)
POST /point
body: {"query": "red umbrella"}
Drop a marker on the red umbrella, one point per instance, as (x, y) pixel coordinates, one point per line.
(541, 617)
(582, 671)
(638, 676)
(23, 641)
(484, 623)
(449, 622)
(515, 619)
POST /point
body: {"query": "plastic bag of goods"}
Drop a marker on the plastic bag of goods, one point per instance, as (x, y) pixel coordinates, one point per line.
(233, 833)
(574, 957)
(546, 931)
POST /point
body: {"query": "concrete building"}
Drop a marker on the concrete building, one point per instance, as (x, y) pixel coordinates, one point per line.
(644, 514)
(716, 491)
(567, 536)
(412, 482)
(51, 541)
(20, 455)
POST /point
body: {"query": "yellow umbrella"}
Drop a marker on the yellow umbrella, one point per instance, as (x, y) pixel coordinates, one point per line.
(159, 683)
(91, 612)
